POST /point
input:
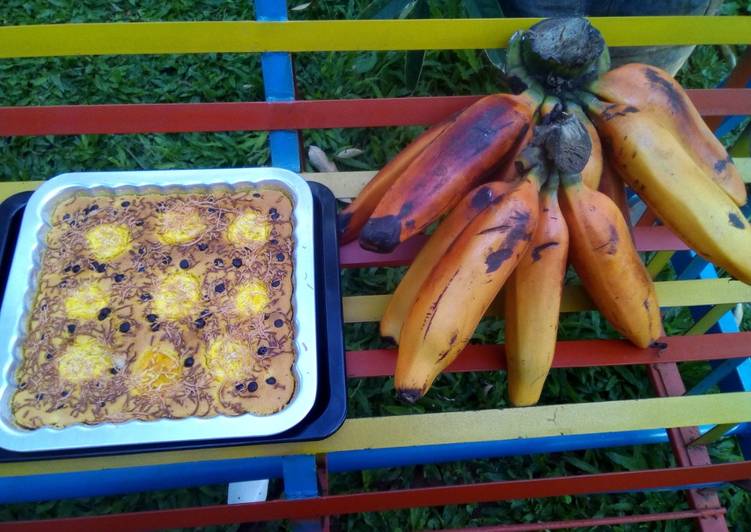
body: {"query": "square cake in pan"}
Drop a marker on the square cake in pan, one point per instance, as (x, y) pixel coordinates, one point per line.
(159, 306)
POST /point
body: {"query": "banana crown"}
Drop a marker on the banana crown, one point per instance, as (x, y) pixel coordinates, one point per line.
(561, 54)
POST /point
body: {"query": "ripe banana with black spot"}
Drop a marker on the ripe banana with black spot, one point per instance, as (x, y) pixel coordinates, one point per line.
(657, 167)
(433, 252)
(533, 300)
(353, 217)
(463, 156)
(608, 264)
(651, 89)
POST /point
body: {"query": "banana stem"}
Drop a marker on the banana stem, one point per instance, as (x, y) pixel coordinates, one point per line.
(590, 102)
(513, 52)
(518, 78)
(572, 179)
(551, 183)
(538, 176)
(550, 109)
(603, 62)
(568, 145)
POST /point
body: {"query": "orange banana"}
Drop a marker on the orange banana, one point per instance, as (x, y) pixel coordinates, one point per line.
(655, 91)
(461, 287)
(613, 187)
(608, 264)
(461, 158)
(354, 216)
(533, 301)
(433, 251)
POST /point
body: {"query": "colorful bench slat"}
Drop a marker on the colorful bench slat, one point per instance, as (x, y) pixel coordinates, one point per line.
(341, 35)
(256, 116)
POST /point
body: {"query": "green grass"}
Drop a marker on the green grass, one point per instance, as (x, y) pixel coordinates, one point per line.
(236, 77)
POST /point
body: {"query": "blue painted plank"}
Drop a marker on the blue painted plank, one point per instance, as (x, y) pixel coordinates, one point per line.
(134, 479)
(299, 472)
(301, 482)
(719, 373)
(279, 86)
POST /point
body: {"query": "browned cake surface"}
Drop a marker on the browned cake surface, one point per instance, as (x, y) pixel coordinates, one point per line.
(160, 306)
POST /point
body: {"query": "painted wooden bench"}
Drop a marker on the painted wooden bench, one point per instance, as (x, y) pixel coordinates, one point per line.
(686, 419)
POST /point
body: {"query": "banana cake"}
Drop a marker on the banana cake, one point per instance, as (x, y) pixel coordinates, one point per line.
(158, 306)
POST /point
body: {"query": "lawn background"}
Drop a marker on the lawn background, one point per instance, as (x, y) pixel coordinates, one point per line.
(236, 77)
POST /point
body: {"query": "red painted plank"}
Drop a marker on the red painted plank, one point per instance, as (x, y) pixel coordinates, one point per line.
(739, 77)
(657, 238)
(572, 354)
(710, 102)
(353, 256)
(297, 509)
(261, 116)
(588, 523)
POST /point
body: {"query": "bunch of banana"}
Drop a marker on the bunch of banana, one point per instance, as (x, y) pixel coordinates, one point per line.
(536, 180)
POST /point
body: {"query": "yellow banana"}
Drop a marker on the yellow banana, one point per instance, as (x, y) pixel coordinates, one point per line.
(653, 90)
(657, 167)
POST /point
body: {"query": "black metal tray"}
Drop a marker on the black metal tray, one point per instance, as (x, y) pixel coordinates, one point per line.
(330, 407)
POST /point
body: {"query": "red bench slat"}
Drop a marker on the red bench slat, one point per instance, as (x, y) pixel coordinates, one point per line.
(261, 116)
(296, 509)
(572, 354)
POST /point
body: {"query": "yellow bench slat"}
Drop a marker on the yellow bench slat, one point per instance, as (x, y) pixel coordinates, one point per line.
(452, 427)
(669, 293)
(334, 35)
(342, 184)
